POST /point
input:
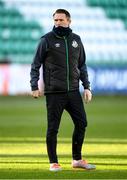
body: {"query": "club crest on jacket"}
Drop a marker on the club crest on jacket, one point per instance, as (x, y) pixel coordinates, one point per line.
(74, 44)
(57, 45)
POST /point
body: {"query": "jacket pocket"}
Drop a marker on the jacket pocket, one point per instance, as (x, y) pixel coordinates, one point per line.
(49, 76)
(77, 73)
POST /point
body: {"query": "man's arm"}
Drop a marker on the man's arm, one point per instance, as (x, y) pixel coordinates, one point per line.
(35, 67)
(84, 75)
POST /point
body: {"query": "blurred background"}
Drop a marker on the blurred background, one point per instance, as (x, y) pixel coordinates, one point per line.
(102, 25)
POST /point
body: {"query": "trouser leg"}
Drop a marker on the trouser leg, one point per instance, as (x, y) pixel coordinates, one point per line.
(76, 110)
(55, 107)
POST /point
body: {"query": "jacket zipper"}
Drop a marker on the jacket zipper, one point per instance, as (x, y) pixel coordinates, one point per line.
(68, 83)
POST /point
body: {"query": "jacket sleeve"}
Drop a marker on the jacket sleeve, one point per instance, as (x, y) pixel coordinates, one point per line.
(83, 68)
(37, 62)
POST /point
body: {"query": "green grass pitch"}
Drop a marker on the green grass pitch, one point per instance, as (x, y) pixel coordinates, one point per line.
(22, 140)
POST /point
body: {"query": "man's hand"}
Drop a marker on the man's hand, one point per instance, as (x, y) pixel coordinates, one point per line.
(87, 95)
(36, 93)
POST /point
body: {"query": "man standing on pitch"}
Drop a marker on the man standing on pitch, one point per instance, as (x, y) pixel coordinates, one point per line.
(62, 55)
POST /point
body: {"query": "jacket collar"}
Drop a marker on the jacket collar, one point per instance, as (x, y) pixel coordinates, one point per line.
(62, 31)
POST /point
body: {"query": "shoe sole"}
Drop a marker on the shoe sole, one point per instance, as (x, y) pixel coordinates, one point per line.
(84, 168)
(55, 170)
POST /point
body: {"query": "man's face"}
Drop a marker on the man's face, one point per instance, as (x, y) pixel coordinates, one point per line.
(61, 20)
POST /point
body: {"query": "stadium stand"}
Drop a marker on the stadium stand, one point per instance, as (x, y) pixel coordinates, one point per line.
(101, 24)
(114, 9)
(18, 36)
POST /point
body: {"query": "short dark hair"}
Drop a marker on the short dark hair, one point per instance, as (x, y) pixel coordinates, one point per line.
(62, 11)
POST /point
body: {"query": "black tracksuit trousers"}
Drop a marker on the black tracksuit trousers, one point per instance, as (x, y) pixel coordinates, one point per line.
(73, 104)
